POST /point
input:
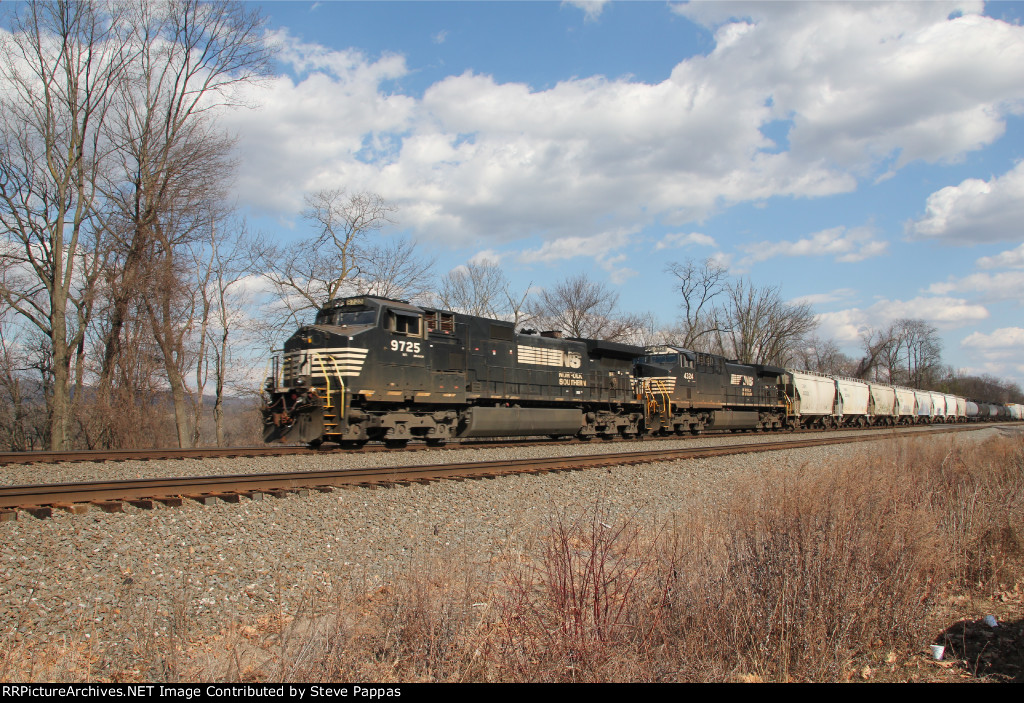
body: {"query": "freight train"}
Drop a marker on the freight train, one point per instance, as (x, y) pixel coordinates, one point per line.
(376, 369)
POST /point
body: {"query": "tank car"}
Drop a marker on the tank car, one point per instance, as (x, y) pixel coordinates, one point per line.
(373, 368)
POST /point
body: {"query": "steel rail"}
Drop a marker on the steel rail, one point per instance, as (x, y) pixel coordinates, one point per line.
(26, 496)
(102, 455)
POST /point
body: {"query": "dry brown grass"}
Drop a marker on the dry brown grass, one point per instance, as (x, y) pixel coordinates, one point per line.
(808, 575)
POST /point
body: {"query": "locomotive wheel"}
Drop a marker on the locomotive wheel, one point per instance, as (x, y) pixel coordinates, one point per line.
(435, 442)
(353, 443)
(315, 443)
(396, 443)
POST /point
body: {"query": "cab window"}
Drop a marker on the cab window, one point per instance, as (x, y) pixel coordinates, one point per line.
(664, 359)
(352, 319)
(403, 323)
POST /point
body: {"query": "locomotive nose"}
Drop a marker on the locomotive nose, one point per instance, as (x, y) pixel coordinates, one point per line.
(316, 357)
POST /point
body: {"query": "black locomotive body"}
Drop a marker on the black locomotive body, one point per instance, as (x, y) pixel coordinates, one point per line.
(692, 391)
(379, 369)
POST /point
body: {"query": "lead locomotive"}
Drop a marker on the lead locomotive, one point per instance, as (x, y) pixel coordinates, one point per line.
(379, 369)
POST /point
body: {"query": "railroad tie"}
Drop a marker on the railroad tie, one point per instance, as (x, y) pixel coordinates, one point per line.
(73, 508)
(40, 511)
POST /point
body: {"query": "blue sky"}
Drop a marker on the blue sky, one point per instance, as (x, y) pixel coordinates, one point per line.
(865, 157)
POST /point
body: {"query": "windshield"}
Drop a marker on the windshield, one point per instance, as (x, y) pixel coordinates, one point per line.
(348, 319)
(663, 359)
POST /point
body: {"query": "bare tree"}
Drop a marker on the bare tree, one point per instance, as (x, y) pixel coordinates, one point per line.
(62, 65)
(984, 387)
(880, 354)
(758, 327)
(170, 305)
(907, 351)
(224, 299)
(474, 289)
(484, 290)
(307, 274)
(699, 286)
(190, 57)
(824, 356)
(581, 307)
(18, 412)
(923, 353)
(396, 270)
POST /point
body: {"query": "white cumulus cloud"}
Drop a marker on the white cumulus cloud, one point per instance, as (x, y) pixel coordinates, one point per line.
(604, 248)
(1014, 258)
(942, 311)
(592, 9)
(680, 240)
(1003, 343)
(975, 211)
(834, 296)
(860, 87)
(843, 244)
(1005, 285)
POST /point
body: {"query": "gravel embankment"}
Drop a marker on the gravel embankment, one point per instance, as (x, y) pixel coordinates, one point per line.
(121, 584)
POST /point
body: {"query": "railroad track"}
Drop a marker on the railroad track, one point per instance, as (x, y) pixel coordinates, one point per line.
(41, 500)
(102, 455)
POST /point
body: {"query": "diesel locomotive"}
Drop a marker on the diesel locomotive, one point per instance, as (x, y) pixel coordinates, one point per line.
(376, 369)
(379, 369)
(383, 370)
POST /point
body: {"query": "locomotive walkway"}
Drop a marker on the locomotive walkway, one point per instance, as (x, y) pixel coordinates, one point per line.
(41, 499)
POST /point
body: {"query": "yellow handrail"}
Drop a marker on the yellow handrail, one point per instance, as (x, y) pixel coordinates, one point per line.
(322, 359)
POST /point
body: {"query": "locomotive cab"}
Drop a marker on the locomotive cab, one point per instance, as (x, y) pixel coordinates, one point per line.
(359, 350)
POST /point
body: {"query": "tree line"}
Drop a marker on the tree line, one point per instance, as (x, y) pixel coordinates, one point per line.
(131, 292)
(117, 253)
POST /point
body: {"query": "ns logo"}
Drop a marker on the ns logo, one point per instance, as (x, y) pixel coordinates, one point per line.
(573, 360)
(741, 380)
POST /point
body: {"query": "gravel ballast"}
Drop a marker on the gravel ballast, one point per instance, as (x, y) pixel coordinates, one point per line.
(70, 472)
(121, 584)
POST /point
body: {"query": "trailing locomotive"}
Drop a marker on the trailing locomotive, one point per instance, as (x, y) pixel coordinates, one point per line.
(687, 391)
(375, 369)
